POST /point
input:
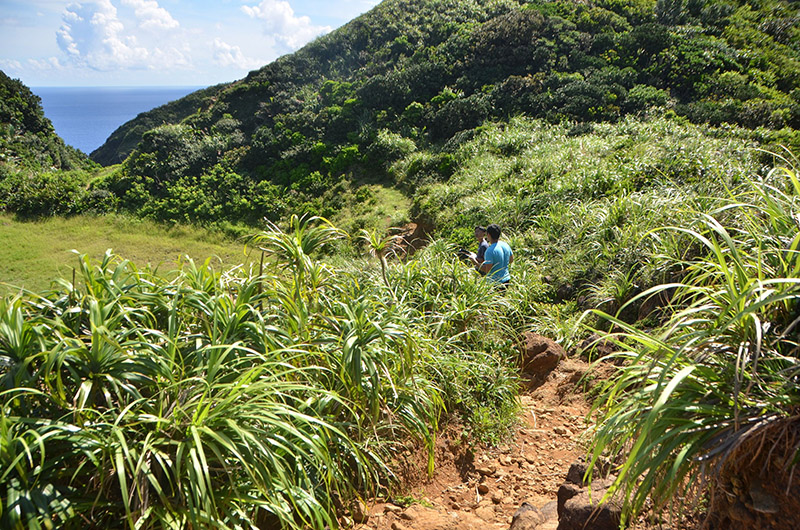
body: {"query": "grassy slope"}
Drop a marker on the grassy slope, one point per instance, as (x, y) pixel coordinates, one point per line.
(304, 133)
(36, 253)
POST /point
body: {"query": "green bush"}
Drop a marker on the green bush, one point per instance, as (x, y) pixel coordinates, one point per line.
(45, 194)
(642, 97)
(722, 368)
(389, 147)
(347, 157)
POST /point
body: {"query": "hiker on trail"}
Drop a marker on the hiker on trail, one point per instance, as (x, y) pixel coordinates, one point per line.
(477, 258)
(497, 258)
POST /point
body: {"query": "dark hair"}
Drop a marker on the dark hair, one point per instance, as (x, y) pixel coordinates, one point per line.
(481, 228)
(494, 231)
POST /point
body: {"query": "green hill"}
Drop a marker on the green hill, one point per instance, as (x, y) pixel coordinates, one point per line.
(39, 173)
(28, 141)
(305, 132)
(125, 139)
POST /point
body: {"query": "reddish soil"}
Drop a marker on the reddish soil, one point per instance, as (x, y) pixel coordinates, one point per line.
(481, 488)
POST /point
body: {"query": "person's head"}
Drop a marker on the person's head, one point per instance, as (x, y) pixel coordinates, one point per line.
(480, 233)
(493, 231)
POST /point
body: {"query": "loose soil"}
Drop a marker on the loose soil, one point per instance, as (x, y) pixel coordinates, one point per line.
(481, 488)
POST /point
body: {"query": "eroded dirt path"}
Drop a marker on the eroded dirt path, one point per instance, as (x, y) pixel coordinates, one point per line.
(483, 488)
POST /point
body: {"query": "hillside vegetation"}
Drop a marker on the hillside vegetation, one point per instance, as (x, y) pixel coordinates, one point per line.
(39, 173)
(638, 156)
(125, 139)
(305, 132)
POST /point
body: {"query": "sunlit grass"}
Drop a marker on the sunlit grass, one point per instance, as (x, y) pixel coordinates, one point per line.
(723, 367)
(36, 252)
(239, 398)
(376, 207)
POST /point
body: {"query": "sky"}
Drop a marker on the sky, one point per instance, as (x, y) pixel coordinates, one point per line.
(157, 42)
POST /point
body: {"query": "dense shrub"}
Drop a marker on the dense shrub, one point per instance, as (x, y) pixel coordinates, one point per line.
(45, 194)
(263, 398)
(388, 147)
(642, 97)
(22, 108)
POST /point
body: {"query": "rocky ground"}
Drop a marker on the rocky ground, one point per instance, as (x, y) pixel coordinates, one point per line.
(534, 481)
(476, 488)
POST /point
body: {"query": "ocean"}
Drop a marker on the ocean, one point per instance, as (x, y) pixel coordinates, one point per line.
(86, 116)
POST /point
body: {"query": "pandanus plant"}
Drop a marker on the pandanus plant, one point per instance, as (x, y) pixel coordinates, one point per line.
(723, 368)
(221, 399)
(381, 247)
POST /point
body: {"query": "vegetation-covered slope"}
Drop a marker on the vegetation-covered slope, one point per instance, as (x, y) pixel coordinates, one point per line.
(39, 173)
(302, 133)
(125, 139)
(27, 139)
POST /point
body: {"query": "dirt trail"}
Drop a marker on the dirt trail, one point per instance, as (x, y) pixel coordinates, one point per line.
(482, 489)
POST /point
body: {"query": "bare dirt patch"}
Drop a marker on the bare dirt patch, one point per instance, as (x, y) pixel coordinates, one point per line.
(482, 488)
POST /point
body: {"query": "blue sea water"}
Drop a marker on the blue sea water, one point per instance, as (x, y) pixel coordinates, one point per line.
(86, 116)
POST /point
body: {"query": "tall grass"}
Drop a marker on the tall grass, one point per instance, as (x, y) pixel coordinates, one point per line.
(578, 208)
(724, 367)
(241, 398)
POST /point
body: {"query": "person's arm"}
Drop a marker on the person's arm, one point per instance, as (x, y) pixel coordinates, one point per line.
(511, 259)
(488, 261)
(481, 255)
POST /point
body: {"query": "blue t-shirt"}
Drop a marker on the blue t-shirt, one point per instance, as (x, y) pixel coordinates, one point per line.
(498, 254)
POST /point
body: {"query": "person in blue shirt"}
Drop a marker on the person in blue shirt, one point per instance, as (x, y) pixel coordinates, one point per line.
(497, 257)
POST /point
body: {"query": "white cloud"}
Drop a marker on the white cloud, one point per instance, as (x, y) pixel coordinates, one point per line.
(154, 42)
(10, 65)
(281, 24)
(150, 15)
(44, 66)
(227, 55)
(50, 63)
(93, 34)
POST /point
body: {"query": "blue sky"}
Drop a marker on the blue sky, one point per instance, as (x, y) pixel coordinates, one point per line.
(157, 42)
